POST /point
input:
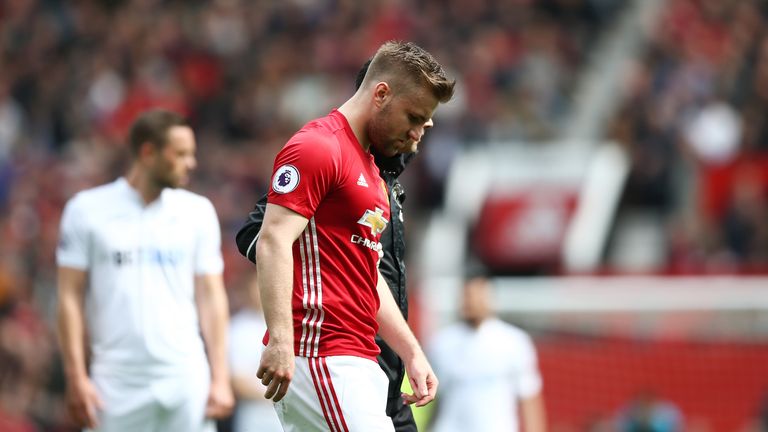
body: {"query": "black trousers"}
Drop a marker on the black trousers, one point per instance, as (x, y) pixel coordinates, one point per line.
(401, 415)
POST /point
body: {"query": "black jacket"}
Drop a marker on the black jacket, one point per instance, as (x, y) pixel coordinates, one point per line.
(392, 267)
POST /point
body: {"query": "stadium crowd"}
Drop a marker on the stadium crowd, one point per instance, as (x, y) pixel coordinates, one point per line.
(73, 75)
(694, 124)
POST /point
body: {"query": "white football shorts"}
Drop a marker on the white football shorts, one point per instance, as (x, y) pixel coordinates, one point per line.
(336, 394)
(171, 403)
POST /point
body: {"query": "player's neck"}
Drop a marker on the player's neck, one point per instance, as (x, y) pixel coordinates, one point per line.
(356, 117)
(140, 181)
(477, 321)
(474, 323)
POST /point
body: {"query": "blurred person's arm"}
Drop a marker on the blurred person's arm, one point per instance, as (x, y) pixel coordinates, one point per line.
(242, 354)
(274, 263)
(395, 331)
(247, 387)
(532, 413)
(213, 312)
(82, 399)
(529, 387)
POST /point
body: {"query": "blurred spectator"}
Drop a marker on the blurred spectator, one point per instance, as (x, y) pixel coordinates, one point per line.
(649, 413)
(761, 422)
(11, 122)
(29, 400)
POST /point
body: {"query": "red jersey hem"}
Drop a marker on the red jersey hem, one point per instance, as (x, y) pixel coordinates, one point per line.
(342, 353)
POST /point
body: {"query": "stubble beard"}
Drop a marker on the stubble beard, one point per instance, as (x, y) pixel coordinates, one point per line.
(378, 137)
(164, 178)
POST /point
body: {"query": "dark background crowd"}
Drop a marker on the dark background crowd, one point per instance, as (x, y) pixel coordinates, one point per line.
(74, 74)
(695, 125)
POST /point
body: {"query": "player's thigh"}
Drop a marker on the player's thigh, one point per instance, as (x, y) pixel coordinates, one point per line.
(300, 410)
(181, 420)
(188, 413)
(139, 419)
(344, 394)
(363, 396)
(126, 407)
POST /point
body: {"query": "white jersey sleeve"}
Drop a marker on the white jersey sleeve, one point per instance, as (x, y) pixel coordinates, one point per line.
(208, 259)
(73, 248)
(529, 383)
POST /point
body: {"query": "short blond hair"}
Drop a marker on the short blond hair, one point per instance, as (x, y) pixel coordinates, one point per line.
(406, 61)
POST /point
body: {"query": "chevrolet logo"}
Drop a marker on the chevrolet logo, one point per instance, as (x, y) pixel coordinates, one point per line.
(374, 220)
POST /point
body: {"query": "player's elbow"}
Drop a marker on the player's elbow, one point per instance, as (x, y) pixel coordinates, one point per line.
(269, 246)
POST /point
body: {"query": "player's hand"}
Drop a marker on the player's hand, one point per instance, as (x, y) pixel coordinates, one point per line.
(276, 369)
(83, 402)
(221, 400)
(422, 379)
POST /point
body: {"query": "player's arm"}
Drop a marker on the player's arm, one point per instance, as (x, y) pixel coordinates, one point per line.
(395, 331)
(82, 398)
(532, 413)
(213, 312)
(274, 263)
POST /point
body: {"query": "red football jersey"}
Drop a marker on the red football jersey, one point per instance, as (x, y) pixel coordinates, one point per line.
(323, 174)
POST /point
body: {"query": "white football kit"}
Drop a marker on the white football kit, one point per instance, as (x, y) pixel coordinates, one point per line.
(483, 373)
(148, 359)
(246, 329)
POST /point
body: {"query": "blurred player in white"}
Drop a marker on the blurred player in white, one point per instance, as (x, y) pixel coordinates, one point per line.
(488, 371)
(139, 280)
(253, 412)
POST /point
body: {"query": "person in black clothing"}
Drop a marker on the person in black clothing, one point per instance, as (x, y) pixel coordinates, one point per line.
(392, 267)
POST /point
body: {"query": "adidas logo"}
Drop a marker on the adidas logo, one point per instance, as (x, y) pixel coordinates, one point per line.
(361, 181)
